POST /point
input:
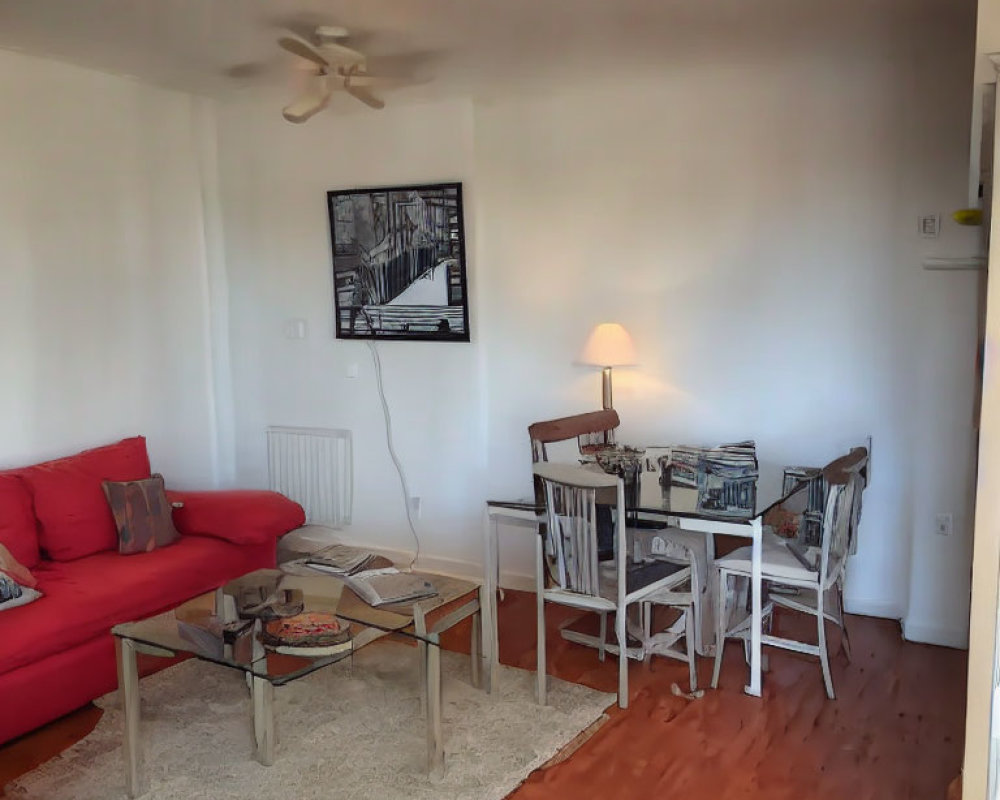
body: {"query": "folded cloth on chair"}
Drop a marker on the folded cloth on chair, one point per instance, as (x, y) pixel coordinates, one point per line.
(690, 548)
(643, 573)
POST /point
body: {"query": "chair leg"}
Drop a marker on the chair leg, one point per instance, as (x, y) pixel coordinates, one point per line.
(475, 654)
(540, 680)
(823, 655)
(689, 644)
(845, 640)
(646, 620)
(603, 635)
(622, 657)
(720, 627)
(540, 648)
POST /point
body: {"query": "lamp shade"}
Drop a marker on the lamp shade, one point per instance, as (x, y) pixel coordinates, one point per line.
(609, 345)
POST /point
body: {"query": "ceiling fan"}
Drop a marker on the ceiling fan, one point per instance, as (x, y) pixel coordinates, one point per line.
(334, 67)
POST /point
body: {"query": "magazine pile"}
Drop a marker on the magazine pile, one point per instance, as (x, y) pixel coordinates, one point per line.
(371, 577)
(725, 477)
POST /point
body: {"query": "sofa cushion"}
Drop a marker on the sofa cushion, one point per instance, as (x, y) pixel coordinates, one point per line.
(241, 516)
(73, 514)
(85, 597)
(142, 514)
(18, 528)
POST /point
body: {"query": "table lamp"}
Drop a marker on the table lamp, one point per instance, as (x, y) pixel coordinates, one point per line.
(609, 345)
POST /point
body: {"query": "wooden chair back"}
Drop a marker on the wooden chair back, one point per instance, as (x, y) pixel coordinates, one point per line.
(819, 481)
(589, 429)
(853, 465)
(838, 524)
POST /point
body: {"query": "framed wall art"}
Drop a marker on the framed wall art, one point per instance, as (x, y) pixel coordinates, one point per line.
(399, 263)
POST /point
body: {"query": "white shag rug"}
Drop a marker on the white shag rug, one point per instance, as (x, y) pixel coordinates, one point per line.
(346, 731)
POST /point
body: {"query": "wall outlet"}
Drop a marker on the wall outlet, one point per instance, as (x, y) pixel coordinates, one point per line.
(415, 507)
(943, 525)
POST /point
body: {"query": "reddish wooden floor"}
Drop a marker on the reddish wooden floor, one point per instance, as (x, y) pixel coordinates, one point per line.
(894, 732)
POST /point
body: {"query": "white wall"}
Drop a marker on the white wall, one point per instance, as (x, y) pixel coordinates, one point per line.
(274, 182)
(103, 300)
(756, 229)
(752, 221)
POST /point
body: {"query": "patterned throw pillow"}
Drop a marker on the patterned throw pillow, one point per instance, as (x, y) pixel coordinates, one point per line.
(142, 514)
(12, 594)
(15, 570)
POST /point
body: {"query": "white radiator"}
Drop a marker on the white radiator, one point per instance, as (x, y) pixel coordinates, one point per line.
(313, 466)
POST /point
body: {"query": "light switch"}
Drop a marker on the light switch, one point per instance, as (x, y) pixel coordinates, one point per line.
(930, 225)
(295, 329)
(352, 370)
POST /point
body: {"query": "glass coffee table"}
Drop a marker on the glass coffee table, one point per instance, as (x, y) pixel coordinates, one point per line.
(209, 629)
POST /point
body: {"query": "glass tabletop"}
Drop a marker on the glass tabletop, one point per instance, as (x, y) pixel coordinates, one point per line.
(237, 625)
(652, 489)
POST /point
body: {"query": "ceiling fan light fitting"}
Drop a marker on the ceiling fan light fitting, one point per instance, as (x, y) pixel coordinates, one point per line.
(328, 33)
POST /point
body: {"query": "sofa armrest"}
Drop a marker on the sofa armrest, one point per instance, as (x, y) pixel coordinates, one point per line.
(237, 516)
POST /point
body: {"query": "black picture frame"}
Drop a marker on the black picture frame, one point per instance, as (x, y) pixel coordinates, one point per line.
(394, 244)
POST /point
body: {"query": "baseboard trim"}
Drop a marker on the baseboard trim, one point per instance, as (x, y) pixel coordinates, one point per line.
(873, 608)
(936, 634)
(473, 571)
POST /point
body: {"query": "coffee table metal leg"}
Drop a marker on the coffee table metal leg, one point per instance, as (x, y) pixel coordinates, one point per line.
(432, 671)
(128, 688)
(263, 720)
(475, 648)
(420, 629)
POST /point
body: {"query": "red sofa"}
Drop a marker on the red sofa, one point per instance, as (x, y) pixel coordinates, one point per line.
(56, 653)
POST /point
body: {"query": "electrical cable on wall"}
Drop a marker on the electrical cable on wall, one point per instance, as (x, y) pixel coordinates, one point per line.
(392, 450)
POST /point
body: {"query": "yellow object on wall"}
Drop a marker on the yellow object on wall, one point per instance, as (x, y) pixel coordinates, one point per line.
(968, 216)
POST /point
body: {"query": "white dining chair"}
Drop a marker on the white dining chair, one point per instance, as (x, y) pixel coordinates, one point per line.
(815, 572)
(818, 479)
(569, 572)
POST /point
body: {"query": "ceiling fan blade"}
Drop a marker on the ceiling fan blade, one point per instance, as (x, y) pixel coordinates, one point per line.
(300, 110)
(359, 78)
(364, 96)
(303, 50)
(341, 54)
(376, 81)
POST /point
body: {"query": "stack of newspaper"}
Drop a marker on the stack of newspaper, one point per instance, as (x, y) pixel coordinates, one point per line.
(380, 587)
(372, 577)
(727, 480)
(725, 476)
(342, 559)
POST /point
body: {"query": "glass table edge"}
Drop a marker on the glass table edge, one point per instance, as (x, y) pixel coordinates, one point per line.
(277, 680)
(315, 662)
(747, 519)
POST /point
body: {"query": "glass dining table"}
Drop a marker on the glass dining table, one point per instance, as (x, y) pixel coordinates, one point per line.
(654, 501)
(688, 508)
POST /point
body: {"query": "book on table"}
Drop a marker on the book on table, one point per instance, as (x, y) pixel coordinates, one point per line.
(380, 587)
(372, 577)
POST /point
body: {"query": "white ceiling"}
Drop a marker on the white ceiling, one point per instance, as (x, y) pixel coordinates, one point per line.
(466, 45)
